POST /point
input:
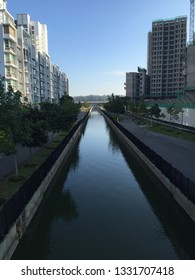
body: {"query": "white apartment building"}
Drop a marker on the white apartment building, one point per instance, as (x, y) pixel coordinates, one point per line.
(24, 59)
(39, 36)
(8, 47)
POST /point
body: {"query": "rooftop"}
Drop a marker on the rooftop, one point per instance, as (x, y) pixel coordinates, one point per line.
(170, 19)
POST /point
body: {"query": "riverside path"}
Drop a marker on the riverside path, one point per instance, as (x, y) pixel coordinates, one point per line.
(178, 152)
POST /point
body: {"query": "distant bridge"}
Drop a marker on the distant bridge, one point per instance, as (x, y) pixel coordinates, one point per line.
(94, 103)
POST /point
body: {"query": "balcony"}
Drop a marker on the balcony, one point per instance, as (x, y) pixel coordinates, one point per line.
(11, 63)
(10, 76)
(9, 50)
(9, 36)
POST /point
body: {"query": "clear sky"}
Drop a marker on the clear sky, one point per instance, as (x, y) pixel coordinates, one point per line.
(95, 42)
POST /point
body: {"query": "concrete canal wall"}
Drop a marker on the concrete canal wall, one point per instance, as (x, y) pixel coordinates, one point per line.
(13, 237)
(187, 205)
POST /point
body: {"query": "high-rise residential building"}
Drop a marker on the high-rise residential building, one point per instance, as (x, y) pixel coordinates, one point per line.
(8, 47)
(131, 84)
(39, 36)
(24, 59)
(137, 83)
(166, 57)
(190, 70)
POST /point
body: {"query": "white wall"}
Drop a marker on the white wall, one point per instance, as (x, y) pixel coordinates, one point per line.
(188, 116)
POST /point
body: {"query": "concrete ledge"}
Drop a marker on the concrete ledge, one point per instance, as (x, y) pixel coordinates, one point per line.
(181, 199)
(12, 239)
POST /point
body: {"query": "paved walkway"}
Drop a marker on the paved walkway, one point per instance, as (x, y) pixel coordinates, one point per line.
(178, 152)
(7, 162)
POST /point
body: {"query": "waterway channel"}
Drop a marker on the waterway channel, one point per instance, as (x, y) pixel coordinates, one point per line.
(106, 205)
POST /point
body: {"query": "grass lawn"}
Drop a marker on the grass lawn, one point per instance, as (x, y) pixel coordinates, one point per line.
(167, 130)
(172, 132)
(11, 184)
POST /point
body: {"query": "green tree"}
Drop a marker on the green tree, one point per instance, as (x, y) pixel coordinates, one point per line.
(114, 104)
(10, 121)
(51, 114)
(173, 112)
(170, 112)
(60, 116)
(35, 128)
(86, 105)
(68, 112)
(155, 111)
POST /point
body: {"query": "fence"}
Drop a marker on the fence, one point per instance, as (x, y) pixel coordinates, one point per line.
(11, 210)
(184, 184)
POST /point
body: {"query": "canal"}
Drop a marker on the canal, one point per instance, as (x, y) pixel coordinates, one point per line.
(105, 204)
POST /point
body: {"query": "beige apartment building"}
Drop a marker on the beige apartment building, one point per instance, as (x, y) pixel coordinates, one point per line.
(167, 56)
(137, 84)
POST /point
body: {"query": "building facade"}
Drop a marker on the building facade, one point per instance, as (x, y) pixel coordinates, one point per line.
(24, 59)
(137, 84)
(190, 71)
(166, 57)
(8, 47)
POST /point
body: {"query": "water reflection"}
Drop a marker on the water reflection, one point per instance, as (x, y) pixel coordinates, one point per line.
(61, 206)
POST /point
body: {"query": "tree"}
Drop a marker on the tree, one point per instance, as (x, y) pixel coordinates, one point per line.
(6, 146)
(174, 112)
(86, 105)
(170, 112)
(10, 121)
(114, 104)
(60, 116)
(35, 128)
(142, 106)
(155, 111)
(51, 115)
(68, 112)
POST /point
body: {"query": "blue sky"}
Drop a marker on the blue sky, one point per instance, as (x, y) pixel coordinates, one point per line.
(96, 42)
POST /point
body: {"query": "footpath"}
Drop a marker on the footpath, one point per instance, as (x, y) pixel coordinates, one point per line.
(178, 152)
(7, 162)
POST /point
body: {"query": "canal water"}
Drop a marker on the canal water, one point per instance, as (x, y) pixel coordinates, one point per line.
(106, 205)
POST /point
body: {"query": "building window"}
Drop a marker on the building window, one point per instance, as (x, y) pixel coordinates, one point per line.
(9, 30)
